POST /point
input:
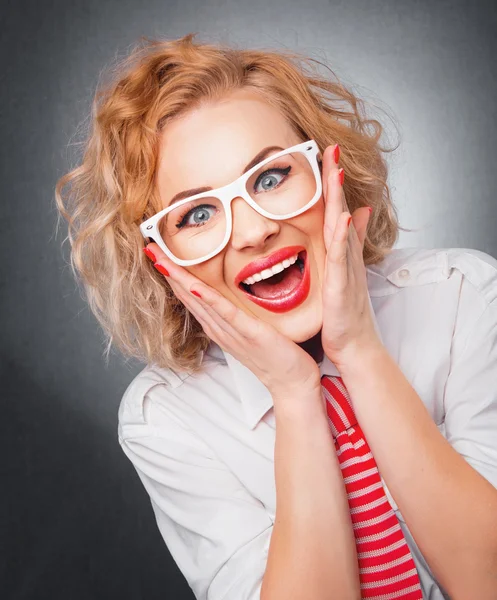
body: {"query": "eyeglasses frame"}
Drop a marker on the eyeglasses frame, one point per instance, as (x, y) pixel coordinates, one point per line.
(236, 189)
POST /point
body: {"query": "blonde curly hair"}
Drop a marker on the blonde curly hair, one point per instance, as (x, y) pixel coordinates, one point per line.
(113, 189)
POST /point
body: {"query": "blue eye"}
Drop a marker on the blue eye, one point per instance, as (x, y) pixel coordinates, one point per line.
(200, 216)
(270, 179)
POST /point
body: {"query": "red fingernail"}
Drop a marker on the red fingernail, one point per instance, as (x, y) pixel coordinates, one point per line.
(149, 253)
(336, 153)
(370, 209)
(341, 176)
(196, 294)
(349, 220)
(162, 269)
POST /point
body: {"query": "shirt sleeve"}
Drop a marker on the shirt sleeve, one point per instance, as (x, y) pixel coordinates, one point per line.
(471, 395)
(216, 531)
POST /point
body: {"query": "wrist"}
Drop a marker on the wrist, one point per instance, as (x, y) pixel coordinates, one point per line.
(356, 356)
(300, 408)
(298, 401)
(306, 387)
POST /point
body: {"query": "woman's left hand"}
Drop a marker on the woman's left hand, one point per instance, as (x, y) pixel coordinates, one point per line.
(347, 320)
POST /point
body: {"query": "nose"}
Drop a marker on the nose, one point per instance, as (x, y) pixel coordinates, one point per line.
(250, 229)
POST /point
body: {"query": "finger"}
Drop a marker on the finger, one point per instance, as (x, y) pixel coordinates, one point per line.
(337, 267)
(212, 324)
(360, 219)
(214, 327)
(327, 163)
(210, 320)
(358, 227)
(354, 243)
(155, 253)
(247, 326)
(333, 204)
(357, 272)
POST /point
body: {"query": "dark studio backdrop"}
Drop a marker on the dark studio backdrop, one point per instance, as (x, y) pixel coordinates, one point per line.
(75, 521)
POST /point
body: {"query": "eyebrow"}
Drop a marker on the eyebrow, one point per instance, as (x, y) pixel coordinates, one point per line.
(259, 157)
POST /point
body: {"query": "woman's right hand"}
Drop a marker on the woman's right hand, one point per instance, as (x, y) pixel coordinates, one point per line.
(278, 362)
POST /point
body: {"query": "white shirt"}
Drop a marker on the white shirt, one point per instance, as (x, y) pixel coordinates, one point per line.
(203, 445)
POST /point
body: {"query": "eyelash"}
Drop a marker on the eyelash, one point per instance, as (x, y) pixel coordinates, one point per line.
(280, 170)
(189, 208)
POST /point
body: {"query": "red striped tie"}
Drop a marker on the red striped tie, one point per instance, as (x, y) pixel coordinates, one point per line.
(386, 567)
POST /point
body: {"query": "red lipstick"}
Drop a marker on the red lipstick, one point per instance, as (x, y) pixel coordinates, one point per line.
(291, 300)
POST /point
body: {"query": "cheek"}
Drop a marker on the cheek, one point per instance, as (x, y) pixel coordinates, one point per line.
(209, 272)
(318, 223)
(311, 224)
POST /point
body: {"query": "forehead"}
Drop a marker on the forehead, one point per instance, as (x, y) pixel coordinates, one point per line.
(211, 145)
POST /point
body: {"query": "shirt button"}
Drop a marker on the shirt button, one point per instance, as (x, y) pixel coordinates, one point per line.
(404, 273)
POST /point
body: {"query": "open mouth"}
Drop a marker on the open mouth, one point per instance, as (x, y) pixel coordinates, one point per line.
(282, 291)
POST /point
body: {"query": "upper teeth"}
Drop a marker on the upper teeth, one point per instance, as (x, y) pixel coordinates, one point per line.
(266, 273)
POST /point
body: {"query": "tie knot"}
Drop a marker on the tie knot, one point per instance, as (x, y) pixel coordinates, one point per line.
(338, 405)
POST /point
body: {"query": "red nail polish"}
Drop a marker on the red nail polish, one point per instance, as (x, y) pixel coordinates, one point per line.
(370, 209)
(196, 294)
(149, 253)
(341, 176)
(349, 220)
(336, 154)
(162, 269)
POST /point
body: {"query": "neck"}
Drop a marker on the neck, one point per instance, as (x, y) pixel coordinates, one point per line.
(314, 347)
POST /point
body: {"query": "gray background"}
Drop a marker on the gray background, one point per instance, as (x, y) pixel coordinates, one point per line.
(75, 521)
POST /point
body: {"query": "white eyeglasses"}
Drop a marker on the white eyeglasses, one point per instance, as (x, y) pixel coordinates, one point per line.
(197, 228)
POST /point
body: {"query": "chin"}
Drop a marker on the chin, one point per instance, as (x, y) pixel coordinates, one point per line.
(302, 323)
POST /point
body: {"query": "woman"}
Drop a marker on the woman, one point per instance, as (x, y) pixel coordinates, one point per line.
(273, 300)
